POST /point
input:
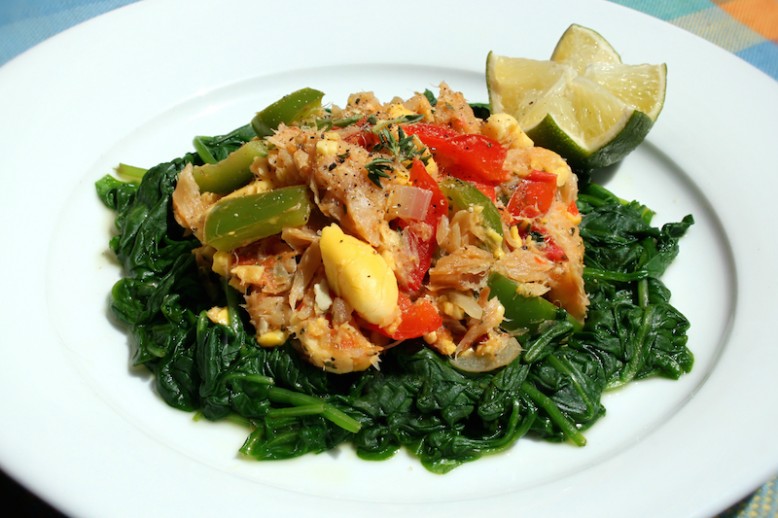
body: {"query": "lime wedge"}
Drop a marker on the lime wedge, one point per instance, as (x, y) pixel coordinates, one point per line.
(641, 86)
(581, 46)
(583, 103)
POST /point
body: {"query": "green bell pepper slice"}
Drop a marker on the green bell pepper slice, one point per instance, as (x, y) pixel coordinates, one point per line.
(236, 222)
(291, 108)
(523, 312)
(462, 195)
(231, 173)
(130, 173)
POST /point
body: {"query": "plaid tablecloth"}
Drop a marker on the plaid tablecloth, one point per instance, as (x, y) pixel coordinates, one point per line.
(747, 28)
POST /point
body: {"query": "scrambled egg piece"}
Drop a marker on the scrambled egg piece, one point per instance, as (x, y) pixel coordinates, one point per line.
(505, 129)
(272, 338)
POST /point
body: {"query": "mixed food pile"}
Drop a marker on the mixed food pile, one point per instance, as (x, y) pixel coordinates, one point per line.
(389, 222)
(413, 273)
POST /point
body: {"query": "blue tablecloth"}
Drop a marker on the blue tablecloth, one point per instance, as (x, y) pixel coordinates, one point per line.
(747, 28)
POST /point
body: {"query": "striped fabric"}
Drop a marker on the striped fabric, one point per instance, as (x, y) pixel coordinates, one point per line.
(762, 504)
(25, 23)
(747, 28)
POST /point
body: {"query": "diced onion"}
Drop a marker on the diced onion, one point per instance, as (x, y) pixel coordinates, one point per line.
(322, 296)
(471, 361)
(408, 202)
(467, 303)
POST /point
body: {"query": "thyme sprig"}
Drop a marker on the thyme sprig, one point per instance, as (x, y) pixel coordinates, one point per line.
(379, 168)
(379, 125)
(402, 149)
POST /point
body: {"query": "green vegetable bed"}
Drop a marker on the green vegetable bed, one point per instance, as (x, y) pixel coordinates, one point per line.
(417, 400)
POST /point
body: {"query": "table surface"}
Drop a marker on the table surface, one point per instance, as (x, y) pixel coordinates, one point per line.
(747, 28)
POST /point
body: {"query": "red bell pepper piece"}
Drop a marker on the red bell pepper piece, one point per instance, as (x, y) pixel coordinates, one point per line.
(533, 195)
(416, 319)
(432, 135)
(467, 156)
(424, 248)
(548, 246)
(420, 178)
(438, 208)
(552, 250)
(364, 138)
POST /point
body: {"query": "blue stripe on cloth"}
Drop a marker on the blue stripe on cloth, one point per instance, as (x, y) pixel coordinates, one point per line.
(25, 23)
(706, 19)
(666, 9)
(763, 56)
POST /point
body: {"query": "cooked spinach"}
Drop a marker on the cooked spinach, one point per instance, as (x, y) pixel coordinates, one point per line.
(417, 401)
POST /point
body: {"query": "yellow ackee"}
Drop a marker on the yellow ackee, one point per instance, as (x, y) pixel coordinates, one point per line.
(360, 275)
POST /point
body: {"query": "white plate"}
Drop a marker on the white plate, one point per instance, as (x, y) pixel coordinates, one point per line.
(88, 433)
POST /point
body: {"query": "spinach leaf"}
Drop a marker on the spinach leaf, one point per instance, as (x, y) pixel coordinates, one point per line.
(631, 324)
(417, 400)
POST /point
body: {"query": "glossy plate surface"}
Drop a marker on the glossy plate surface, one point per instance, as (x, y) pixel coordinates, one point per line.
(87, 432)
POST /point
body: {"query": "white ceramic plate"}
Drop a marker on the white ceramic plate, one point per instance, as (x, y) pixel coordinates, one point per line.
(88, 433)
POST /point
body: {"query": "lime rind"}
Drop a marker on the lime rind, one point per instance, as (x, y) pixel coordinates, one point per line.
(631, 136)
(549, 135)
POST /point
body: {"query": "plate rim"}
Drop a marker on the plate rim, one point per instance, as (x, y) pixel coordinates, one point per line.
(133, 11)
